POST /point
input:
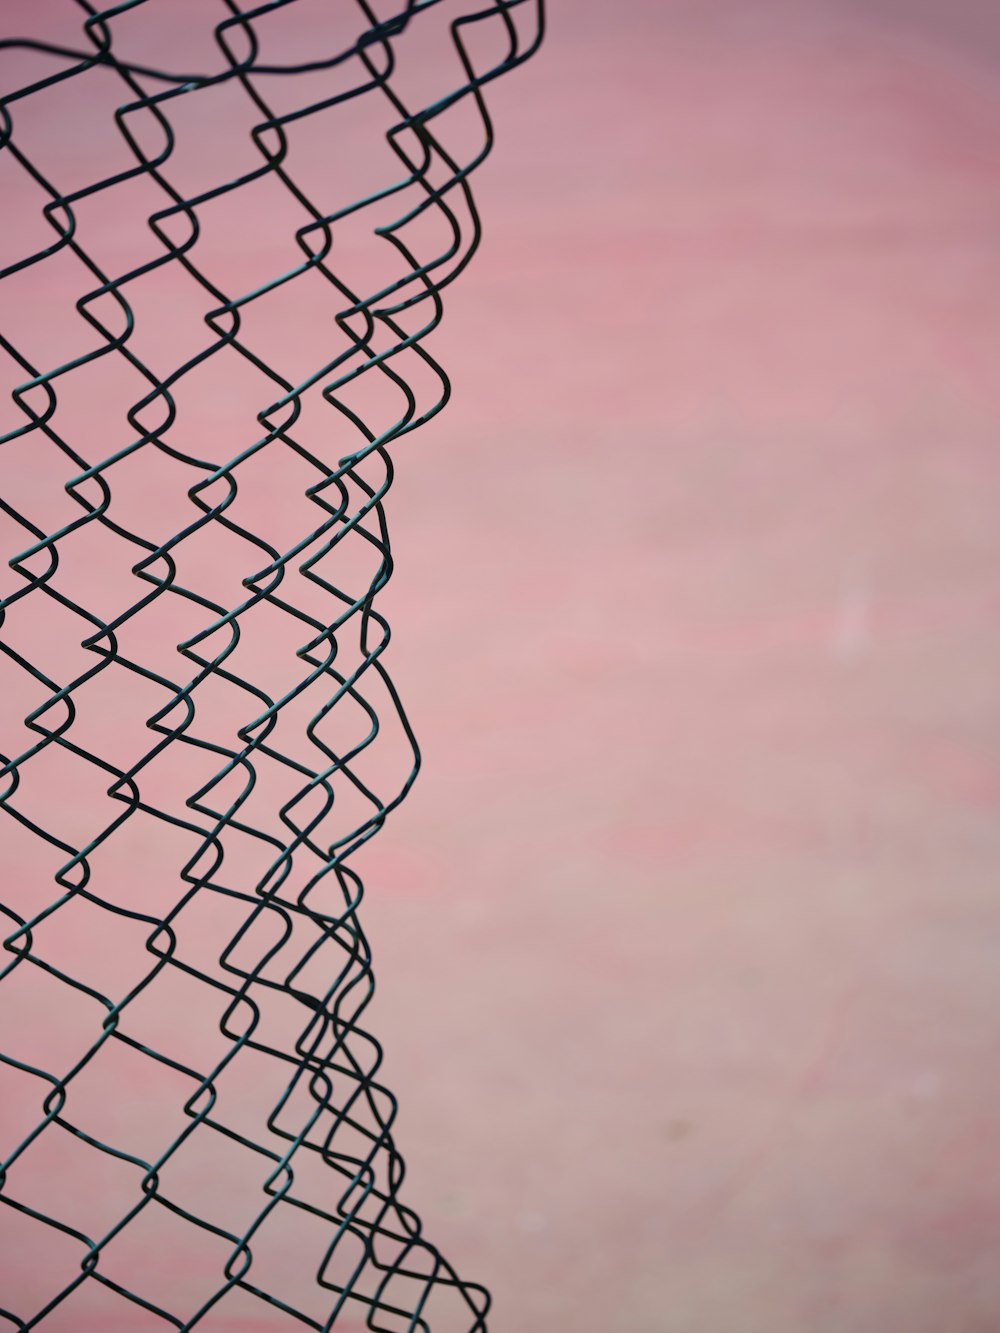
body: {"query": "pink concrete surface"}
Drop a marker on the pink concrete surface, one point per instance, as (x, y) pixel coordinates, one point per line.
(687, 937)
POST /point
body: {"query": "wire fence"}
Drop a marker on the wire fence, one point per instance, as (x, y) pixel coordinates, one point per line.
(191, 623)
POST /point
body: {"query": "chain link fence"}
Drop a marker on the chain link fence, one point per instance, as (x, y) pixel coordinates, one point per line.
(229, 233)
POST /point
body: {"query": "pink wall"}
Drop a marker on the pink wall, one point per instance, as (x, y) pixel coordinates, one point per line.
(686, 938)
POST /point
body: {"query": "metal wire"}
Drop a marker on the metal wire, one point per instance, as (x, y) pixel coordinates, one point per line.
(332, 1110)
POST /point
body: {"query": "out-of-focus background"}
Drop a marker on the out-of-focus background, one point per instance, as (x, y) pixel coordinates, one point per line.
(712, 670)
(687, 937)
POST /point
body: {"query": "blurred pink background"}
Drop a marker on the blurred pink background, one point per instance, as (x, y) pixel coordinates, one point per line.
(686, 938)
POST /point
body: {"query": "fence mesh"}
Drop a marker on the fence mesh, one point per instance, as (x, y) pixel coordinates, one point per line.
(193, 492)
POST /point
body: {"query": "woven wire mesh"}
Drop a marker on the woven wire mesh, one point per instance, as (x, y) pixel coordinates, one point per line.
(201, 958)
